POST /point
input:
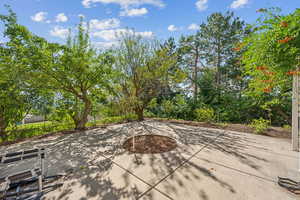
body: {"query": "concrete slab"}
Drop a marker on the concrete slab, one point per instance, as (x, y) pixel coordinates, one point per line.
(233, 166)
(189, 139)
(153, 167)
(199, 179)
(106, 181)
(238, 154)
(279, 146)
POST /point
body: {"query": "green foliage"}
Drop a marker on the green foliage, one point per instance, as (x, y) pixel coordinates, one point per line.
(277, 37)
(35, 129)
(217, 74)
(41, 128)
(260, 125)
(149, 114)
(144, 70)
(16, 97)
(167, 107)
(205, 114)
(74, 72)
(118, 119)
(176, 107)
(287, 127)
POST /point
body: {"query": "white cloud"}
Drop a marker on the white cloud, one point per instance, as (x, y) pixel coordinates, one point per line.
(81, 15)
(61, 17)
(202, 5)
(134, 12)
(193, 27)
(106, 45)
(39, 17)
(172, 28)
(239, 4)
(104, 24)
(59, 32)
(111, 35)
(124, 3)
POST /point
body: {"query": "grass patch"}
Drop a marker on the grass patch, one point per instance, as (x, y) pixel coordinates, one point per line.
(41, 128)
(35, 129)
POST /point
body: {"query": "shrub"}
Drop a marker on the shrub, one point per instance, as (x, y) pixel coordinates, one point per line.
(260, 125)
(168, 108)
(205, 114)
(149, 114)
(130, 117)
(287, 127)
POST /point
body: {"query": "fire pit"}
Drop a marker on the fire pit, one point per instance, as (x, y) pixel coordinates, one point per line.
(149, 144)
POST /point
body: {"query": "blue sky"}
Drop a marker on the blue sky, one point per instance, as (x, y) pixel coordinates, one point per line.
(160, 18)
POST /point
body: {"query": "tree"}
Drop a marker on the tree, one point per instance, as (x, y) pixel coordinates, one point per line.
(143, 66)
(272, 51)
(192, 52)
(77, 73)
(271, 58)
(76, 70)
(221, 33)
(171, 89)
(15, 95)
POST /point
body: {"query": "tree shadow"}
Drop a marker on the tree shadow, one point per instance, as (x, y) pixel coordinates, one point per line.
(80, 157)
(87, 158)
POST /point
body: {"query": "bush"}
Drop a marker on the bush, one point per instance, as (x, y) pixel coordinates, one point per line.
(168, 108)
(260, 125)
(117, 119)
(287, 127)
(149, 114)
(205, 114)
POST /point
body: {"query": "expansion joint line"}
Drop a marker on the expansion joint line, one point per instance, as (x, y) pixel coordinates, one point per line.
(182, 164)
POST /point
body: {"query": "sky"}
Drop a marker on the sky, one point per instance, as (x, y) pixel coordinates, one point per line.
(161, 19)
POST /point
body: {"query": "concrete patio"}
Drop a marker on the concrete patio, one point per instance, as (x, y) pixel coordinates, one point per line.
(208, 164)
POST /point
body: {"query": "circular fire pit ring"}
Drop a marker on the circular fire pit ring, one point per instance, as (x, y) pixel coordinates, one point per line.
(149, 144)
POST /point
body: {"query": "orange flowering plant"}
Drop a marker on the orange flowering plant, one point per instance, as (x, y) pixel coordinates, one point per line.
(272, 54)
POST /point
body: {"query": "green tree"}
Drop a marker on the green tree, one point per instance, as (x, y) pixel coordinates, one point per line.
(143, 66)
(192, 51)
(15, 95)
(78, 73)
(221, 34)
(272, 51)
(75, 71)
(271, 58)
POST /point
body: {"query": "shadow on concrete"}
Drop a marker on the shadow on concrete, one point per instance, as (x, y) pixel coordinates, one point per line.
(87, 157)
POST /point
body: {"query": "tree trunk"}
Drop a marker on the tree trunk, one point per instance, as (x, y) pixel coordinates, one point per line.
(196, 75)
(140, 113)
(283, 114)
(3, 126)
(218, 67)
(81, 121)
